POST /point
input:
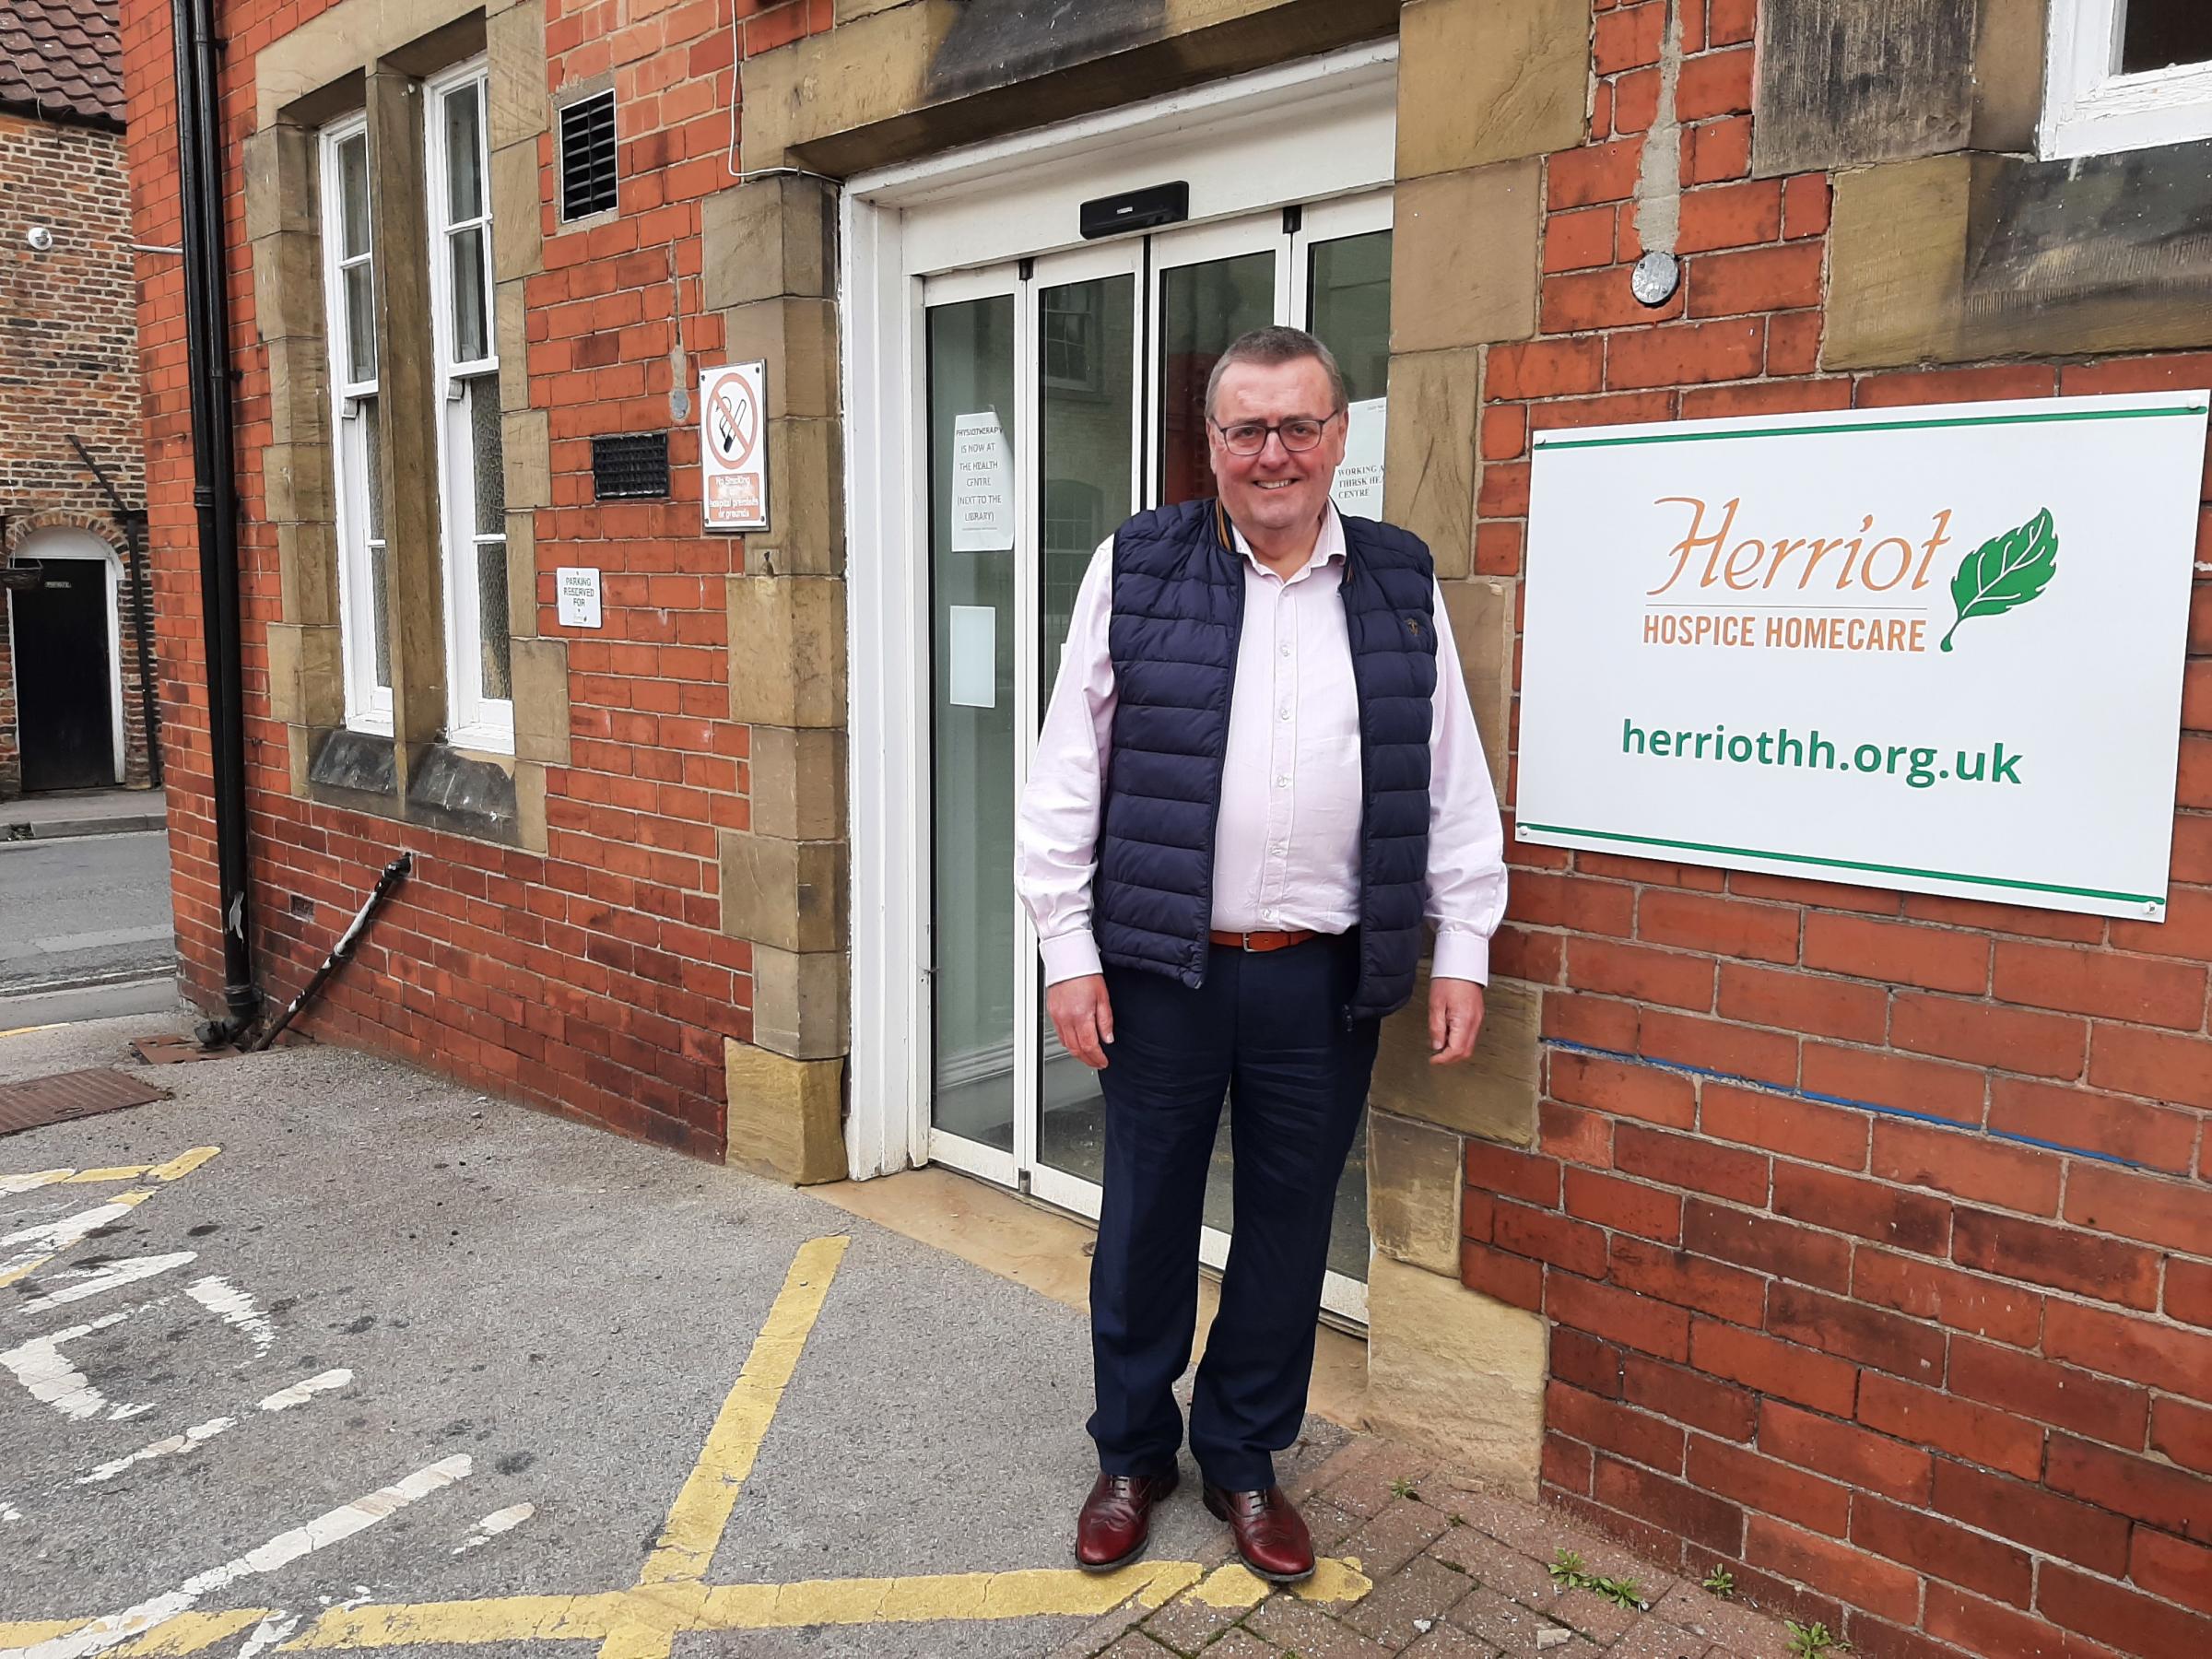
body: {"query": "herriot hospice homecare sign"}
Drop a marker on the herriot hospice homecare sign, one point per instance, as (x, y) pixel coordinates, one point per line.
(1938, 648)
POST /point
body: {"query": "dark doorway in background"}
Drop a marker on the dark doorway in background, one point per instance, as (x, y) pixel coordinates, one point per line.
(63, 711)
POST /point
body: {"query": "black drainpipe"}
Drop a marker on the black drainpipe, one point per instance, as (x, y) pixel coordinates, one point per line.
(215, 483)
(133, 520)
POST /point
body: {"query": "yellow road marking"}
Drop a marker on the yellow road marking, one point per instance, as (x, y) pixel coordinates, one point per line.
(27, 1030)
(671, 1597)
(181, 1633)
(1235, 1585)
(667, 1611)
(701, 1510)
(466, 1623)
(183, 1164)
(29, 1633)
(188, 1633)
(12, 1184)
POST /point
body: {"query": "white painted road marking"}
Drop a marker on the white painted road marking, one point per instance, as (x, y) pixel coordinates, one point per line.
(49, 1239)
(271, 1631)
(219, 1296)
(283, 1399)
(114, 1276)
(490, 1527)
(12, 1184)
(299, 1394)
(331, 1527)
(39, 1366)
(160, 1448)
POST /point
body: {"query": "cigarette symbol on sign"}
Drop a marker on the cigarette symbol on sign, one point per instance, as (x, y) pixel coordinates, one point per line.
(734, 422)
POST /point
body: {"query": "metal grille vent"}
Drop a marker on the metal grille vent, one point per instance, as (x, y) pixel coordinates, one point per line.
(635, 463)
(587, 156)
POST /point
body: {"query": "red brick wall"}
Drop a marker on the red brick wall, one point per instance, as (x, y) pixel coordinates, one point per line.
(592, 979)
(68, 364)
(1874, 1229)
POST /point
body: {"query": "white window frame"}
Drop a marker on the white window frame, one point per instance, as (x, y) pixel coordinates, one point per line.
(367, 704)
(2090, 108)
(473, 719)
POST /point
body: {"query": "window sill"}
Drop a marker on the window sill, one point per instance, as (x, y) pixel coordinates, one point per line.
(449, 789)
(493, 742)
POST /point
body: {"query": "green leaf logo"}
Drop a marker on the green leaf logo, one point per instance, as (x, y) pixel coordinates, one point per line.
(2004, 571)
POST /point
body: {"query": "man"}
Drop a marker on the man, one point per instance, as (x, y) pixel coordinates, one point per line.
(1257, 774)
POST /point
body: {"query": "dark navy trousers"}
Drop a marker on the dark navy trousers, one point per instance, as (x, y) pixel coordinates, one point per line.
(1267, 1030)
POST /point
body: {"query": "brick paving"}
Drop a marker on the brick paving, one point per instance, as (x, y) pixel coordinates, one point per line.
(1459, 1573)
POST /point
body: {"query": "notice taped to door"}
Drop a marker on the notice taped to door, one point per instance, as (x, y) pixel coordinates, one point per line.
(982, 484)
(733, 445)
(1359, 488)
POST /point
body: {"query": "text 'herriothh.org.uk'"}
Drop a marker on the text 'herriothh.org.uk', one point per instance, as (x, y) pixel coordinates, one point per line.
(1916, 765)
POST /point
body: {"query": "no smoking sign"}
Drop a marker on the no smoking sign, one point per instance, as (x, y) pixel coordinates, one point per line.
(733, 451)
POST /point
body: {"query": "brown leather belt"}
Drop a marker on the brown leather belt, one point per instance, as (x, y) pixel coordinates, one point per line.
(1264, 941)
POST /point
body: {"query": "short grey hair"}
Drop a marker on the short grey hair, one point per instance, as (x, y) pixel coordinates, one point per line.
(1266, 348)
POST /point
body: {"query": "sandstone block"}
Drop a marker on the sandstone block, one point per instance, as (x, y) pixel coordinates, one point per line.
(785, 1116)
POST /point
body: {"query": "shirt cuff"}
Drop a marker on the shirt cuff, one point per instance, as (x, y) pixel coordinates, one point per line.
(1462, 956)
(1069, 956)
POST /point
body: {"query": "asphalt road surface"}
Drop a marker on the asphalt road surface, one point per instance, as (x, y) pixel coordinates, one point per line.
(326, 1353)
(83, 911)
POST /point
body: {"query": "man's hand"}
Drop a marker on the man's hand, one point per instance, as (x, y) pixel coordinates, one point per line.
(1454, 1019)
(1084, 1018)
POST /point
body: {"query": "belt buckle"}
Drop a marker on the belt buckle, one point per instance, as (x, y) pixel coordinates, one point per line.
(1249, 949)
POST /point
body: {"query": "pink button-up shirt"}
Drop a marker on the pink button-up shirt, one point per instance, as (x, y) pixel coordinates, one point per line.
(1287, 842)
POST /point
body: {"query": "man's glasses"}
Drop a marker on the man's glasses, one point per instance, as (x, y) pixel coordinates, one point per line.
(1250, 437)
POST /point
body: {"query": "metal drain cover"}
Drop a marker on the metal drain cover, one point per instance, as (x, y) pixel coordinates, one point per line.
(67, 1096)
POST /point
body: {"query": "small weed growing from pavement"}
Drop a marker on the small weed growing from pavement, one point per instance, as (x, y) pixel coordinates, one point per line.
(1403, 1488)
(1569, 1573)
(1722, 1583)
(1812, 1641)
(1458, 1520)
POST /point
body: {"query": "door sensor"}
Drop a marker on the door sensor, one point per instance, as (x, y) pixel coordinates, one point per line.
(1136, 210)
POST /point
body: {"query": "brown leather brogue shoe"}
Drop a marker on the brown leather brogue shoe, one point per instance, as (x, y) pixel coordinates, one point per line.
(1117, 1518)
(1271, 1534)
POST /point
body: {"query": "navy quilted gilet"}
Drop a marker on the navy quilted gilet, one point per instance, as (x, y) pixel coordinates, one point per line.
(1178, 614)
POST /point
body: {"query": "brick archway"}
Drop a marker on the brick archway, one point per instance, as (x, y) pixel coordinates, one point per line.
(20, 530)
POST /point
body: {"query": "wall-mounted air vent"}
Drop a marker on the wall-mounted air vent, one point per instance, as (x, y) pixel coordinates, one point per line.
(632, 464)
(587, 155)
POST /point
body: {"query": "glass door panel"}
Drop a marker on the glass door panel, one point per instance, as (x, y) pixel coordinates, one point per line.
(974, 502)
(1203, 308)
(1347, 308)
(1085, 373)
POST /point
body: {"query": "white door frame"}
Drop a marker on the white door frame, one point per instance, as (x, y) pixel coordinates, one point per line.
(84, 547)
(1243, 145)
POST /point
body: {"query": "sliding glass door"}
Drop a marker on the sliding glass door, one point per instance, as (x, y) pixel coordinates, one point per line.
(1060, 394)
